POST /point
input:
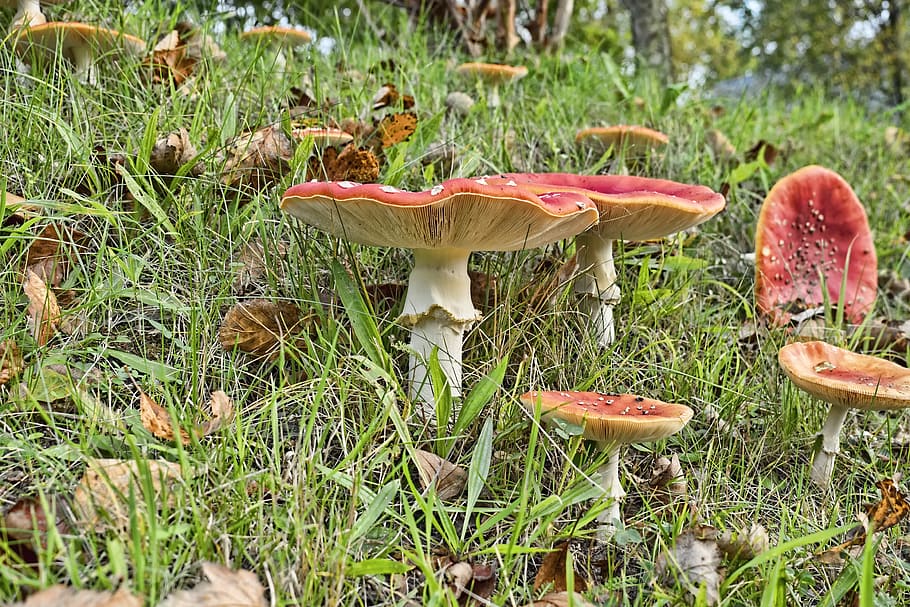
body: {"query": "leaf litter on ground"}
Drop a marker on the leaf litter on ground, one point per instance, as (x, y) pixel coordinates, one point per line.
(260, 327)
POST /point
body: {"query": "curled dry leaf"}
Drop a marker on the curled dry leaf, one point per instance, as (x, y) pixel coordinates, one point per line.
(43, 310)
(667, 480)
(553, 570)
(58, 595)
(258, 326)
(561, 599)
(743, 544)
(172, 152)
(102, 497)
(10, 361)
(48, 254)
(238, 588)
(222, 414)
(388, 95)
(24, 528)
(694, 564)
(396, 128)
(256, 160)
(350, 164)
(448, 478)
(156, 419)
(768, 152)
(254, 263)
(169, 62)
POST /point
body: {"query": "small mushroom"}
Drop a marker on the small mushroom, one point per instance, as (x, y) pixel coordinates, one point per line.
(494, 75)
(280, 37)
(78, 42)
(628, 140)
(846, 380)
(610, 420)
(635, 208)
(812, 238)
(323, 137)
(442, 226)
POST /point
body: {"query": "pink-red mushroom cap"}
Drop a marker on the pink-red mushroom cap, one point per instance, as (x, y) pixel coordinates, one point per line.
(611, 418)
(811, 229)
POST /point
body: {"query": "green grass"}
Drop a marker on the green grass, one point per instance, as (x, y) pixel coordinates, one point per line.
(314, 487)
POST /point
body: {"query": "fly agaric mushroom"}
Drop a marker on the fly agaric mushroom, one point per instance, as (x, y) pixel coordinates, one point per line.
(493, 74)
(442, 226)
(610, 420)
(813, 237)
(28, 12)
(635, 208)
(280, 37)
(846, 380)
(78, 42)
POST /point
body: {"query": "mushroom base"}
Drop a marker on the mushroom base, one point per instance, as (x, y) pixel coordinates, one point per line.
(614, 493)
(435, 330)
(597, 286)
(823, 464)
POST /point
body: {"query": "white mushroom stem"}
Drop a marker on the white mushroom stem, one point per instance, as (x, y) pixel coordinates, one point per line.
(596, 286)
(438, 309)
(83, 59)
(28, 14)
(823, 465)
(612, 491)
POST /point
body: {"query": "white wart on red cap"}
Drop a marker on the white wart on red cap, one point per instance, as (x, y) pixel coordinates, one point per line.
(611, 418)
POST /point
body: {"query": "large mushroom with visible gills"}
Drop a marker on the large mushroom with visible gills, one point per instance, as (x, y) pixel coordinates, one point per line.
(812, 241)
(634, 208)
(610, 420)
(847, 380)
(441, 226)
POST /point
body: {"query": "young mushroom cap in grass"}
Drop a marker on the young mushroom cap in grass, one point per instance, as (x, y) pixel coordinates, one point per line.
(323, 137)
(493, 74)
(442, 226)
(630, 140)
(633, 208)
(611, 420)
(80, 43)
(279, 37)
(812, 240)
(846, 380)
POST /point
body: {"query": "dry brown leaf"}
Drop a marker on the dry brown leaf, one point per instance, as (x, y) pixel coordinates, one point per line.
(101, 498)
(767, 150)
(553, 570)
(449, 479)
(24, 528)
(47, 254)
(350, 164)
(157, 420)
(561, 599)
(222, 414)
(255, 264)
(723, 150)
(258, 326)
(225, 587)
(60, 595)
(43, 311)
(667, 480)
(694, 564)
(258, 159)
(396, 128)
(11, 364)
(743, 544)
(169, 62)
(388, 95)
(172, 152)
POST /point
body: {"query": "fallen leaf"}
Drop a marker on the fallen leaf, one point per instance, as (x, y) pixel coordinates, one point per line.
(258, 326)
(561, 599)
(890, 510)
(59, 595)
(226, 587)
(11, 364)
(24, 528)
(448, 478)
(222, 408)
(743, 544)
(553, 570)
(694, 564)
(667, 480)
(767, 150)
(172, 152)
(102, 497)
(256, 160)
(157, 420)
(350, 164)
(388, 95)
(396, 128)
(170, 63)
(255, 264)
(47, 255)
(723, 150)
(43, 311)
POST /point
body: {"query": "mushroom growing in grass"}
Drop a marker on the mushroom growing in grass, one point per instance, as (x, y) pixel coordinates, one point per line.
(634, 208)
(846, 380)
(28, 12)
(813, 245)
(81, 43)
(626, 140)
(494, 75)
(280, 38)
(610, 420)
(441, 226)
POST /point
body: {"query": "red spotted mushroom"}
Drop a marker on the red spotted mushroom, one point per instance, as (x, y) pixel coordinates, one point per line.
(846, 380)
(635, 208)
(610, 420)
(813, 245)
(441, 226)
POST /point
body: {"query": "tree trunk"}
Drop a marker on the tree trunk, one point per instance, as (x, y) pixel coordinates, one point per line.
(894, 47)
(651, 36)
(561, 22)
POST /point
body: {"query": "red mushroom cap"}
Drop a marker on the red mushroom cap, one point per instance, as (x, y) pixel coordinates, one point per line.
(460, 214)
(634, 208)
(810, 223)
(845, 378)
(611, 418)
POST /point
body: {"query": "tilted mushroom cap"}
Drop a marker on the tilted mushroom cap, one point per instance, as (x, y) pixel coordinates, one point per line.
(494, 73)
(459, 214)
(845, 378)
(322, 137)
(611, 418)
(810, 222)
(69, 37)
(286, 36)
(634, 208)
(631, 138)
